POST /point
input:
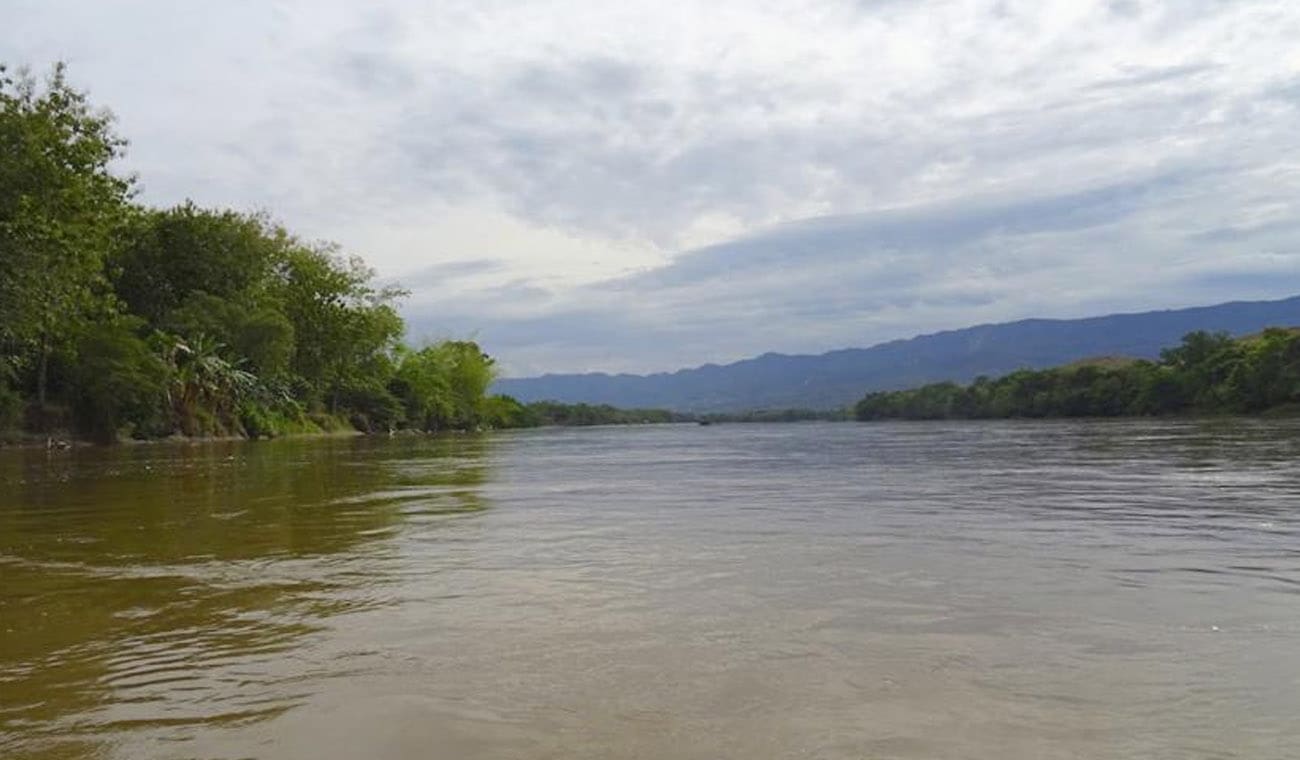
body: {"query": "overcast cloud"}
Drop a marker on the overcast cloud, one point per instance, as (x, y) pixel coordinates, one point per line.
(647, 185)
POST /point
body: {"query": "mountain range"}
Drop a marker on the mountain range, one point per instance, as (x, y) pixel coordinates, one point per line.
(839, 378)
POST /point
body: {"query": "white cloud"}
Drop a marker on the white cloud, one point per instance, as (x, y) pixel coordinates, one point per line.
(637, 172)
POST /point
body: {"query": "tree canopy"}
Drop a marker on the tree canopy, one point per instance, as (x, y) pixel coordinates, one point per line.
(61, 207)
(1209, 373)
(121, 319)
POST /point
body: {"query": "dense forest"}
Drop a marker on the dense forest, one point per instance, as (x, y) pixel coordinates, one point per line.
(117, 319)
(1209, 373)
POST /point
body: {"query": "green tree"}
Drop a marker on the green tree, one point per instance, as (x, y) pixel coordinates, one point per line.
(423, 382)
(1267, 373)
(205, 390)
(118, 380)
(258, 337)
(506, 412)
(250, 329)
(1203, 363)
(1206, 373)
(345, 327)
(472, 372)
(444, 385)
(60, 207)
(186, 250)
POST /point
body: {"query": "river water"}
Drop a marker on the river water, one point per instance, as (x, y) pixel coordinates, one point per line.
(974, 590)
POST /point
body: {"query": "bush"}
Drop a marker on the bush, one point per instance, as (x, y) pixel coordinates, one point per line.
(118, 383)
(11, 406)
(372, 408)
(257, 421)
(507, 412)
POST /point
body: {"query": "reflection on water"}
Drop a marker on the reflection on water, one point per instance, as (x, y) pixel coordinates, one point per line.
(979, 590)
(171, 588)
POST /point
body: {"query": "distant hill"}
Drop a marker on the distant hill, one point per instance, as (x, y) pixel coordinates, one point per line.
(839, 378)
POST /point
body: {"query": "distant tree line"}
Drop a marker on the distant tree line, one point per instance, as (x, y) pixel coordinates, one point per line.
(1209, 373)
(777, 415)
(546, 413)
(119, 319)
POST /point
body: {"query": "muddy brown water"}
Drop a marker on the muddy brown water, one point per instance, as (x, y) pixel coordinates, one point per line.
(976, 590)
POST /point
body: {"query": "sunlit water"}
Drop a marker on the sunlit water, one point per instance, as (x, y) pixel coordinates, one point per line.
(976, 590)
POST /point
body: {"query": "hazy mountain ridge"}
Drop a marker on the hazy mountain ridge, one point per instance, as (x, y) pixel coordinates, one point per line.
(841, 377)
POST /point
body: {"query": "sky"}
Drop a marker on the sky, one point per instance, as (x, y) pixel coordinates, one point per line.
(641, 186)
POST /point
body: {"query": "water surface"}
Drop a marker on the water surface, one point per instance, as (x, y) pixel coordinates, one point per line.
(973, 590)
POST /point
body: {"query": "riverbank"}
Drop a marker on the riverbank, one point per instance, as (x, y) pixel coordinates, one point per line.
(62, 440)
(1207, 375)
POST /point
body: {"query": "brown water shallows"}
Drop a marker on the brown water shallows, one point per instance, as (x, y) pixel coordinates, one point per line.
(977, 590)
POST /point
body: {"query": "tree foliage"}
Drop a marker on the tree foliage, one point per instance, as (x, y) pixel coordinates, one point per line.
(119, 381)
(176, 253)
(61, 206)
(582, 415)
(345, 327)
(445, 386)
(189, 320)
(1208, 373)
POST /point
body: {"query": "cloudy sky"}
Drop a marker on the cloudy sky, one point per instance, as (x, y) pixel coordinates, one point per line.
(644, 185)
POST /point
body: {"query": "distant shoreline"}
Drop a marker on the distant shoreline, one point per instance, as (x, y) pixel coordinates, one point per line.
(1208, 374)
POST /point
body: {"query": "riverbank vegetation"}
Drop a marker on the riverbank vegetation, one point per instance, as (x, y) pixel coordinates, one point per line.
(777, 415)
(117, 319)
(1209, 373)
(546, 413)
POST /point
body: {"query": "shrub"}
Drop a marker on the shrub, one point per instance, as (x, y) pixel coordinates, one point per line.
(118, 383)
(11, 405)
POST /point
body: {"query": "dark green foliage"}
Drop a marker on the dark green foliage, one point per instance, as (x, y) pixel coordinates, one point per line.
(119, 382)
(344, 328)
(11, 403)
(60, 211)
(444, 386)
(1266, 373)
(271, 410)
(260, 336)
(372, 408)
(507, 412)
(257, 422)
(778, 415)
(1209, 373)
(190, 320)
(580, 415)
(175, 253)
(205, 389)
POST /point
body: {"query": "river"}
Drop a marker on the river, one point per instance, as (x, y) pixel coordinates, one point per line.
(914, 590)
